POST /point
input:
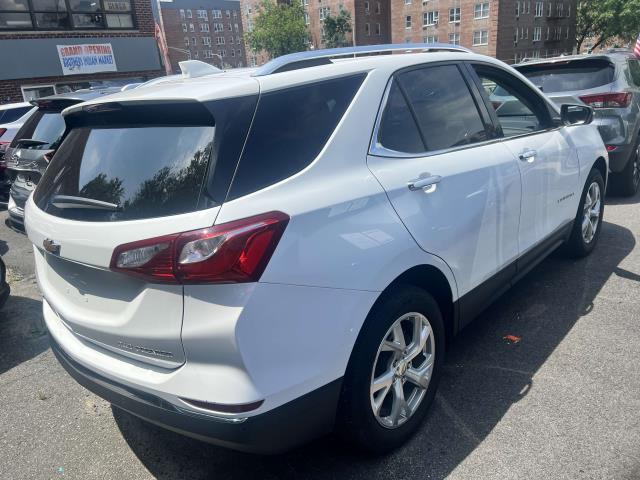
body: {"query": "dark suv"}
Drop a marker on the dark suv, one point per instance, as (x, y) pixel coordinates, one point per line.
(610, 83)
(35, 143)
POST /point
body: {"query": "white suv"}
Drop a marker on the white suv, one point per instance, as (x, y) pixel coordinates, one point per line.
(252, 258)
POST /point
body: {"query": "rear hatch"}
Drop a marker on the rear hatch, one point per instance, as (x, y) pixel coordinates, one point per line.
(565, 81)
(127, 172)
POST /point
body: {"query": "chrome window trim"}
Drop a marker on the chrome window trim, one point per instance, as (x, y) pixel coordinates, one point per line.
(376, 149)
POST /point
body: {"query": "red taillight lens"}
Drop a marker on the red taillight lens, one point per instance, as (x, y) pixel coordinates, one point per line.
(2, 130)
(611, 148)
(608, 100)
(233, 252)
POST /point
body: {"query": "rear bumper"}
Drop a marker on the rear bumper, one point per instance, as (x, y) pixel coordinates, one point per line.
(275, 431)
(619, 157)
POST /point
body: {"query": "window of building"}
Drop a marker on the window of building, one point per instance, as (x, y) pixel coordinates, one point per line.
(430, 18)
(184, 27)
(560, 9)
(202, 14)
(480, 37)
(366, 8)
(515, 37)
(204, 27)
(377, 29)
(235, 12)
(481, 10)
(549, 9)
(218, 13)
(537, 34)
(65, 15)
(539, 9)
(206, 41)
(548, 32)
(454, 15)
(228, 13)
(454, 38)
(230, 27)
(192, 28)
(220, 40)
(196, 54)
(517, 9)
(324, 12)
(186, 41)
(407, 22)
(194, 41)
(182, 14)
(189, 14)
(306, 18)
(407, 2)
(430, 39)
(367, 29)
(378, 8)
(235, 27)
(223, 52)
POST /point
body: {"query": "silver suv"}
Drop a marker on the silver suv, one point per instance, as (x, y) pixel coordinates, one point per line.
(610, 83)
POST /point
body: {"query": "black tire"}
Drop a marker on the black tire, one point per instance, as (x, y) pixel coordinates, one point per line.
(577, 246)
(626, 183)
(357, 423)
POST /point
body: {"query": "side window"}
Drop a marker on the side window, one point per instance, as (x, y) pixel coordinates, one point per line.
(13, 114)
(634, 68)
(290, 128)
(398, 130)
(516, 113)
(444, 108)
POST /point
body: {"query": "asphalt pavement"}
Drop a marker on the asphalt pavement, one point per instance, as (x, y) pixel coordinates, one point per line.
(563, 402)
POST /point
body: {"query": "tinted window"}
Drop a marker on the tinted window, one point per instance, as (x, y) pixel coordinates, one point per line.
(146, 171)
(13, 114)
(290, 128)
(46, 127)
(398, 130)
(570, 76)
(511, 101)
(443, 105)
(634, 69)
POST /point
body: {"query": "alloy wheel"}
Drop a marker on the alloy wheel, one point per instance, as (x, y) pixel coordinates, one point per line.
(402, 370)
(591, 212)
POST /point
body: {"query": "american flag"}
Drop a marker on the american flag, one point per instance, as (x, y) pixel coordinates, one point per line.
(636, 50)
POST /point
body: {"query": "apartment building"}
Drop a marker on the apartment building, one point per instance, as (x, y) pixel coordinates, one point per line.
(206, 30)
(370, 22)
(508, 30)
(49, 47)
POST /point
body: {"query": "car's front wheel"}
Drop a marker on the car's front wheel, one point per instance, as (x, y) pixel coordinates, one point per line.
(394, 370)
(588, 221)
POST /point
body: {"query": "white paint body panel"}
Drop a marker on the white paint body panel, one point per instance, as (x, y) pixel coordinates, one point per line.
(294, 331)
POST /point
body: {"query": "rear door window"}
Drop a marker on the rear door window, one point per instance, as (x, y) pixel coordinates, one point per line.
(570, 76)
(398, 129)
(444, 108)
(290, 128)
(634, 70)
(12, 114)
(143, 172)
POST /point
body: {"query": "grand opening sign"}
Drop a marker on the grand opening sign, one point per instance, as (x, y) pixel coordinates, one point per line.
(86, 58)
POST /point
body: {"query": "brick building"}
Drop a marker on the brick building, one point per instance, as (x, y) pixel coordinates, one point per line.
(506, 29)
(206, 30)
(370, 22)
(56, 46)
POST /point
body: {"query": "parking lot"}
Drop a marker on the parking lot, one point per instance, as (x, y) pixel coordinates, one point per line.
(561, 403)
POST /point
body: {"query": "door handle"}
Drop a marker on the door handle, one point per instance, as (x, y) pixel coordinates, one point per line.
(424, 183)
(528, 156)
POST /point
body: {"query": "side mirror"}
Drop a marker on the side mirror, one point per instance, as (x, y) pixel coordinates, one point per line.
(576, 114)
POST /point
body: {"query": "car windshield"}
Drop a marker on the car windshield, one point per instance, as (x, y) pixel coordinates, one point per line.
(570, 76)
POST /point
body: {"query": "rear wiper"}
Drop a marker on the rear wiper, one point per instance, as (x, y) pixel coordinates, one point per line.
(29, 142)
(68, 201)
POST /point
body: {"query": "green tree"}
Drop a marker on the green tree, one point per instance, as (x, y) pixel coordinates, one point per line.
(605, 20)
(279, 29)
(335, 29)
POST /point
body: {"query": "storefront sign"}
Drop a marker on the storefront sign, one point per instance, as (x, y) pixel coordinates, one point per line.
(87, 58)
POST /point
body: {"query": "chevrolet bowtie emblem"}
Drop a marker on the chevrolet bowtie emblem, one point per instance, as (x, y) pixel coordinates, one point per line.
(51, 246)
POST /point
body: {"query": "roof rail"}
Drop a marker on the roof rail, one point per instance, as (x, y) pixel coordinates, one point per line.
(311, 58)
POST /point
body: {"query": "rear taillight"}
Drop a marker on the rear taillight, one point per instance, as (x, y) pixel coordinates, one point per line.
(232, 252)
(608, 100)
(48, 156)
(2, 130)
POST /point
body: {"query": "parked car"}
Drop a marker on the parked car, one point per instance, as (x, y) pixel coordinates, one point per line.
(5, 290)
(609, 83)
(253, 258)
(12, 117)
(34, 144)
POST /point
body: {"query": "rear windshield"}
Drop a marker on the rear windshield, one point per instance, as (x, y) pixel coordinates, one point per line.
(44, 126)
(143, 172)
(570, 76)
(12, 114)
